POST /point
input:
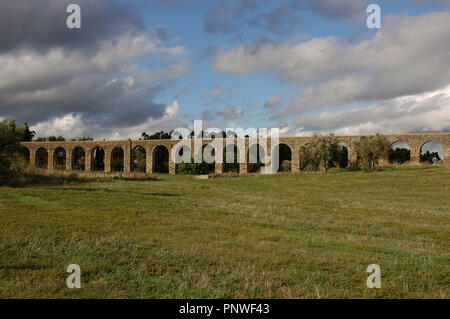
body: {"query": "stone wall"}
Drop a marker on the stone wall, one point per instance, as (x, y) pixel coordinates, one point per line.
(414, 141)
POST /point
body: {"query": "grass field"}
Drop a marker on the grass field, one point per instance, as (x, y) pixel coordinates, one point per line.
(279, 236)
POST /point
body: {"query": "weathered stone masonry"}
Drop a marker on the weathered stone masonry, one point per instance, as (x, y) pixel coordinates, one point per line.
(414, 141)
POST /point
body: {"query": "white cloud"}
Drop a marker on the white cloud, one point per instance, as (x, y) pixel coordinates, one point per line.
(74, 126)
(427, 112)
(409, 55)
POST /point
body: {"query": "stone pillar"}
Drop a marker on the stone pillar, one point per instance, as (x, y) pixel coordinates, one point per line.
(50, 160)
(446, 147)
(88, 160)
(295, 159)
(218, 168)
(414, 155)
(69, 160)
(171, 162)
(149, 161)
(127, 157)
(107, 159)
(243, 157)
(32, 158)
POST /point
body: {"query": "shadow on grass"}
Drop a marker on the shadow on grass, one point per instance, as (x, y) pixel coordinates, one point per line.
(24, 180)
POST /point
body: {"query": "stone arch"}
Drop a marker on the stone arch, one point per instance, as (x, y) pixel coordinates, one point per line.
(59, 158)
(209, 159)
(340, 157)
(255, 158)
(399, 153)
(182, 155)
(160, 157)
(41, 158)
(98, 159)
(117, 159)
(431, 152)
(79, 158)
(139, 159)
(284, 157)
(231, 159)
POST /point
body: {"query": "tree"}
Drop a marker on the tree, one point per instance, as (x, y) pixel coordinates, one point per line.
(430, 157)
(399, 155)
(10, 137)
(370, 150)
(319, 153)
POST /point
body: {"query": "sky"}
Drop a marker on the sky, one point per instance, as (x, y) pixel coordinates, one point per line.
(306, 67)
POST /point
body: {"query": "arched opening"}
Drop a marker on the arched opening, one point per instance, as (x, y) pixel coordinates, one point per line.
(431, 153)
(284, 158)
(340, 156)
(399, 153)
(161, 159)
(59, 158)
(25, 154)
(231, 159)
(208, 165)
(98, 159)
(41, 158)
(78, 159)
(138, 159)
(255, 158)
(117, 159)
(183, 160)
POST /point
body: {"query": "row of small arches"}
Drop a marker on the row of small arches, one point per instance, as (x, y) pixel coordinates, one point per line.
(400, 152)
(138, 160)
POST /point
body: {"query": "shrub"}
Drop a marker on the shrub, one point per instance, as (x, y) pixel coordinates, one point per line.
(370, 150)
(285, 166)
(320, 152)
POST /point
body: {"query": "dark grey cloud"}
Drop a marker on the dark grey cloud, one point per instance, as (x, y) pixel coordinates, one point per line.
(41, 25)
(48, 71)
(337, 10)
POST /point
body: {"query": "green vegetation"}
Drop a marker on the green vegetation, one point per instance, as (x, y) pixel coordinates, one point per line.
(322, 152)
(282, 236)
(399, 155)
(10, 152)
(370, 150)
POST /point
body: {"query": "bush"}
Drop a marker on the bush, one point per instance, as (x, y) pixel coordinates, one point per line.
(320, 153)
(285, 166)
(195, 168)
(370, 150)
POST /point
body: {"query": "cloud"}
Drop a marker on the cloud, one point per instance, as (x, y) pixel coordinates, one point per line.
(272, 102)
(231, 113)
(99, 79)
(407, 56)
(161, 33)
(215, 93)
(237, 16)
(29, 24)
(427, 112)
(338, 9)
(75, 125)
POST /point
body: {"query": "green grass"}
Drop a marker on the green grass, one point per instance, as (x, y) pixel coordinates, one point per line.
(279, 236)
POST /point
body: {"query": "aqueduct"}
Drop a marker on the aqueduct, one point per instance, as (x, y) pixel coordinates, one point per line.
(92, 149)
